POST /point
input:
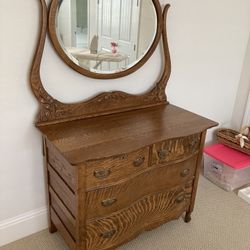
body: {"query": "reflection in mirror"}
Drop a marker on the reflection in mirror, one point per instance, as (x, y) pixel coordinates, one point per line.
(106, 36)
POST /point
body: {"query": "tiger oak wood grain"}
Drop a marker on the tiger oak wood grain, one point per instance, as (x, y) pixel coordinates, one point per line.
(126, 223)
(175, 150)
(114, 142)
(117, 167)
(131, 188)
(122, 133)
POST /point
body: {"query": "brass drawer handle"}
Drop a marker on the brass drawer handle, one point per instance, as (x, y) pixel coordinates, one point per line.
(163, 154)
(109, 202)
(180, 199)
(102, 173)
(139, 161)
(108, 234)
(185, 172)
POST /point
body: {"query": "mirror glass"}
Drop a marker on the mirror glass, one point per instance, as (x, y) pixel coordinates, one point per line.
(106, 36)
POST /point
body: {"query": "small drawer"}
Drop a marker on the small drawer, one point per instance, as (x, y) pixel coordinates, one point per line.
(144, 214)
(113, 169)
(103, 201)
(174, 150)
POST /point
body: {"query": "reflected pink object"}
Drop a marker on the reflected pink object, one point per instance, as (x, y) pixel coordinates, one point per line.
(114, 46)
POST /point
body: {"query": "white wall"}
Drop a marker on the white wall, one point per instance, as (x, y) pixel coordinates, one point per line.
(242, 101)
(208, 41)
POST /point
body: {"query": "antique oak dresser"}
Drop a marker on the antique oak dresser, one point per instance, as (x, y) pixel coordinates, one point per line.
(117, 164)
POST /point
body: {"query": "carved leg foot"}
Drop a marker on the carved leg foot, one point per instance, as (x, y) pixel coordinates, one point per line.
(52, 227)
(187, 218)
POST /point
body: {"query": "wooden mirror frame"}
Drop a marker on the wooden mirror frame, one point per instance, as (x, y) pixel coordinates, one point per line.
(53, 111)
(88, 73)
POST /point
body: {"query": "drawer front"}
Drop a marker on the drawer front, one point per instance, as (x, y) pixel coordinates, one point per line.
(176, 149)
(113, 169)
(103, 201)
(142, 215)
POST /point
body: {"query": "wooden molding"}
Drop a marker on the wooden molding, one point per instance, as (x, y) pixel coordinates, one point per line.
(52, 111)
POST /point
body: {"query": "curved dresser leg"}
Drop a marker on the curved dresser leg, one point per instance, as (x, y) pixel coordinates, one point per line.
(187, 218)
(52, 227)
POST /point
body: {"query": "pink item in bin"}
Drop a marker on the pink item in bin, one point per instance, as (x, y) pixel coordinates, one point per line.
(226, 167)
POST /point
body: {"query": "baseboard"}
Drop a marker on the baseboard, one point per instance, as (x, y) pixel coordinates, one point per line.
(23, 225)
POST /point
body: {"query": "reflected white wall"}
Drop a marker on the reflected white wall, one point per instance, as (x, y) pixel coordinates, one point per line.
(148, 21)
(64, 23)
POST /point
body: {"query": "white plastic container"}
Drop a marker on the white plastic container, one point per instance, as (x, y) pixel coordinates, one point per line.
(226, 167)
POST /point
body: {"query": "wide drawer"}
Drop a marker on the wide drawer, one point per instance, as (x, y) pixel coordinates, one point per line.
(103, 201)
(145, 214)
(174, 150)
(110, 170)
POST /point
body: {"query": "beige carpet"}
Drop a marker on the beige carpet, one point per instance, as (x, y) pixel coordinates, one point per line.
(221, 221)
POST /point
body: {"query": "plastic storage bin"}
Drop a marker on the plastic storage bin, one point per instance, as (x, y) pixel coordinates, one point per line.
(226, 167)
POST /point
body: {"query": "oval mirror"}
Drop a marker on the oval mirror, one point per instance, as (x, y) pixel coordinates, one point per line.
(105, 38)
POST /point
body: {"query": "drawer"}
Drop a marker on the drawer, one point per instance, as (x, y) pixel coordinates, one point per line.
(145, 214)
(113, 169)
(103, 201)
(177, 149)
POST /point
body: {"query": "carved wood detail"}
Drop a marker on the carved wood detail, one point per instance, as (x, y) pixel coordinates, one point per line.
(52, 111)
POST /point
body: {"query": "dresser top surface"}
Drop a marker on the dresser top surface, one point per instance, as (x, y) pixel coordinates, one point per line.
(120, 133)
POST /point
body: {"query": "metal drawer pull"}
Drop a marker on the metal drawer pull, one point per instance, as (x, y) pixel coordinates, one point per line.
(162, 154)
(108, 234)
(180, 199)
(102, 173)
(109, 202)
(137, 162)
(185, 172)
